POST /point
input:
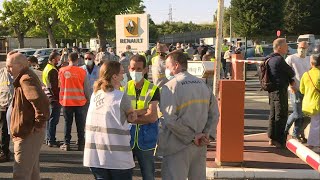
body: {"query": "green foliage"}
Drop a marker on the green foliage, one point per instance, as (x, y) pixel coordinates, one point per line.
(101, 13)
(302, 17)
(252, 18)
(181, 27)
(12, 16)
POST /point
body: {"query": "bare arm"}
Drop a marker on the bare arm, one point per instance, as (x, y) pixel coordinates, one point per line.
(150, 116)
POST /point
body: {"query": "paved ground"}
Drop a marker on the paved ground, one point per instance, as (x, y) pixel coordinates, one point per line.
(56, 164)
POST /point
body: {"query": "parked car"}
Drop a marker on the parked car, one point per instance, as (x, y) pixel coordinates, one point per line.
(43, 56)
(26, 51)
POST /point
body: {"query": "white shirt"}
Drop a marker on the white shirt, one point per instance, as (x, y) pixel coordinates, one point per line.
(299, 65)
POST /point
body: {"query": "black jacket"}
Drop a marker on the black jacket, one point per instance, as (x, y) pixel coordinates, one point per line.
(281, 74)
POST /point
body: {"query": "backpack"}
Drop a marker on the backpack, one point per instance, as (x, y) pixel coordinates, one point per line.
(264, 76)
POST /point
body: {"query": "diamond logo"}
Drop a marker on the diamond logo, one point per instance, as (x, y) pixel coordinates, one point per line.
(130, 26)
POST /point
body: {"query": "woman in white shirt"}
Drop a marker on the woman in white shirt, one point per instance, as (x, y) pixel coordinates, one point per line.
(107, 143)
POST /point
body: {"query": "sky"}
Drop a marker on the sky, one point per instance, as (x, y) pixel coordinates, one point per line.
(197, 11)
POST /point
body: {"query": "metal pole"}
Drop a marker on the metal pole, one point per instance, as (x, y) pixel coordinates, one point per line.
(230, 30)
(218, 47)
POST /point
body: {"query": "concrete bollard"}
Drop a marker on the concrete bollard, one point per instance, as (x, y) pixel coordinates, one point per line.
(237, 67)
(230, 130)
(304, 153)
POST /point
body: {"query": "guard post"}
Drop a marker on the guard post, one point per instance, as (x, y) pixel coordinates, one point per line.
(230, 129)
(237, 67)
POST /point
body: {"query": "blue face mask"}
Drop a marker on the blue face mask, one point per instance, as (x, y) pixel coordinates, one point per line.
(136, 76)
(125, 80)
(168, 74)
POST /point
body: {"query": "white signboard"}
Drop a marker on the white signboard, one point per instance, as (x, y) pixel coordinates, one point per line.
(201, 69)
(133, 30)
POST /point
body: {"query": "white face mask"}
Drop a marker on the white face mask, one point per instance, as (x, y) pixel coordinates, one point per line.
(124, 80)
(302, 52)
(88, 62)
(136, 76)
(168, 74)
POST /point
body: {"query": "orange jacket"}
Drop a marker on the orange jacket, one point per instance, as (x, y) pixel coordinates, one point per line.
(72, 79)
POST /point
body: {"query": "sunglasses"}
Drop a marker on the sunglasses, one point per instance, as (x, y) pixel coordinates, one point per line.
(87, 58)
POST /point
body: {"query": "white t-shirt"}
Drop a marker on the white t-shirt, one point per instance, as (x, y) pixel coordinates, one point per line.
(299, 65)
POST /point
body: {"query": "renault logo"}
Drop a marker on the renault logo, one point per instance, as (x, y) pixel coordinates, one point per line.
(131, 26)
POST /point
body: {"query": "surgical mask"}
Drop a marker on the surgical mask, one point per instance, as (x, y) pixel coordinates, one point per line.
(125, 80)
(88, 62)
(59, 63)
(136, 76)
(302, 52)
(168, 74)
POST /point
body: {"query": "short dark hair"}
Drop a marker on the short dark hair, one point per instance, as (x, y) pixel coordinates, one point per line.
(53, 55)
(180, 58)
(32, 59)
(139, 58)
(90, 53)
(73, 57)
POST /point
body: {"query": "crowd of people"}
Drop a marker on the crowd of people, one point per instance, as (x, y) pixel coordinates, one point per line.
(298, 74)
(121, 115)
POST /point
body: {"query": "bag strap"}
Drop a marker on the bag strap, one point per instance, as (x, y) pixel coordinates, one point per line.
(312, 82)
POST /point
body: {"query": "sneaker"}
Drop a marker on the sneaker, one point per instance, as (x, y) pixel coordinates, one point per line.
(65, 147)
(54, 144)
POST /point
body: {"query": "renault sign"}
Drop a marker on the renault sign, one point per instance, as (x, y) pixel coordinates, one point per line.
(133, 30)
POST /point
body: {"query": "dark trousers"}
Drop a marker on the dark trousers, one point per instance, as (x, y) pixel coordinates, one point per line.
(278, 101)
(111, 174)
(4, 136)
(68, 112)
(146, 162)
(53, 121)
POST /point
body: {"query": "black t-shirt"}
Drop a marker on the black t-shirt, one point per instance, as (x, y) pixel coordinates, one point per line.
(156, 96)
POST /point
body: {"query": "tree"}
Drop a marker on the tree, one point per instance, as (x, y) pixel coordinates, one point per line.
(100, 13)
(13, 18)
(44, 15)
(302, 17)
(253, 18)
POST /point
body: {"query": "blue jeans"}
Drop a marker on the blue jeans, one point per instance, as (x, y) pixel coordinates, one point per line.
(53, 121)
(68, 112)
(146, 162)
(297, 115)
(111, 174)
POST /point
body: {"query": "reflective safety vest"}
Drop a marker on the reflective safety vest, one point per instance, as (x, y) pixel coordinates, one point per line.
(72, 86)
(225, 48)
(258, 50)
(154, 59)
(143, 136)
(45, 74)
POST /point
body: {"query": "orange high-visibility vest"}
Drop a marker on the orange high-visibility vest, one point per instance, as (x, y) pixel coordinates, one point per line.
(72, 86)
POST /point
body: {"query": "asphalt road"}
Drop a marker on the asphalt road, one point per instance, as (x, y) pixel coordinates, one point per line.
(57, 164)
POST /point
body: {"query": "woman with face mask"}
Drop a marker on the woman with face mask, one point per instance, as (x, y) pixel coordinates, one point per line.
(107, 149)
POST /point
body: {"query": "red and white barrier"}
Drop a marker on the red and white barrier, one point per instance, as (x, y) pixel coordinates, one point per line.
(304, 153)
(248, 61)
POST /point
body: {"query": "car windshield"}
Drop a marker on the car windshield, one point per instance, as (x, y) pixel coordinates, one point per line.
(303, 39)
